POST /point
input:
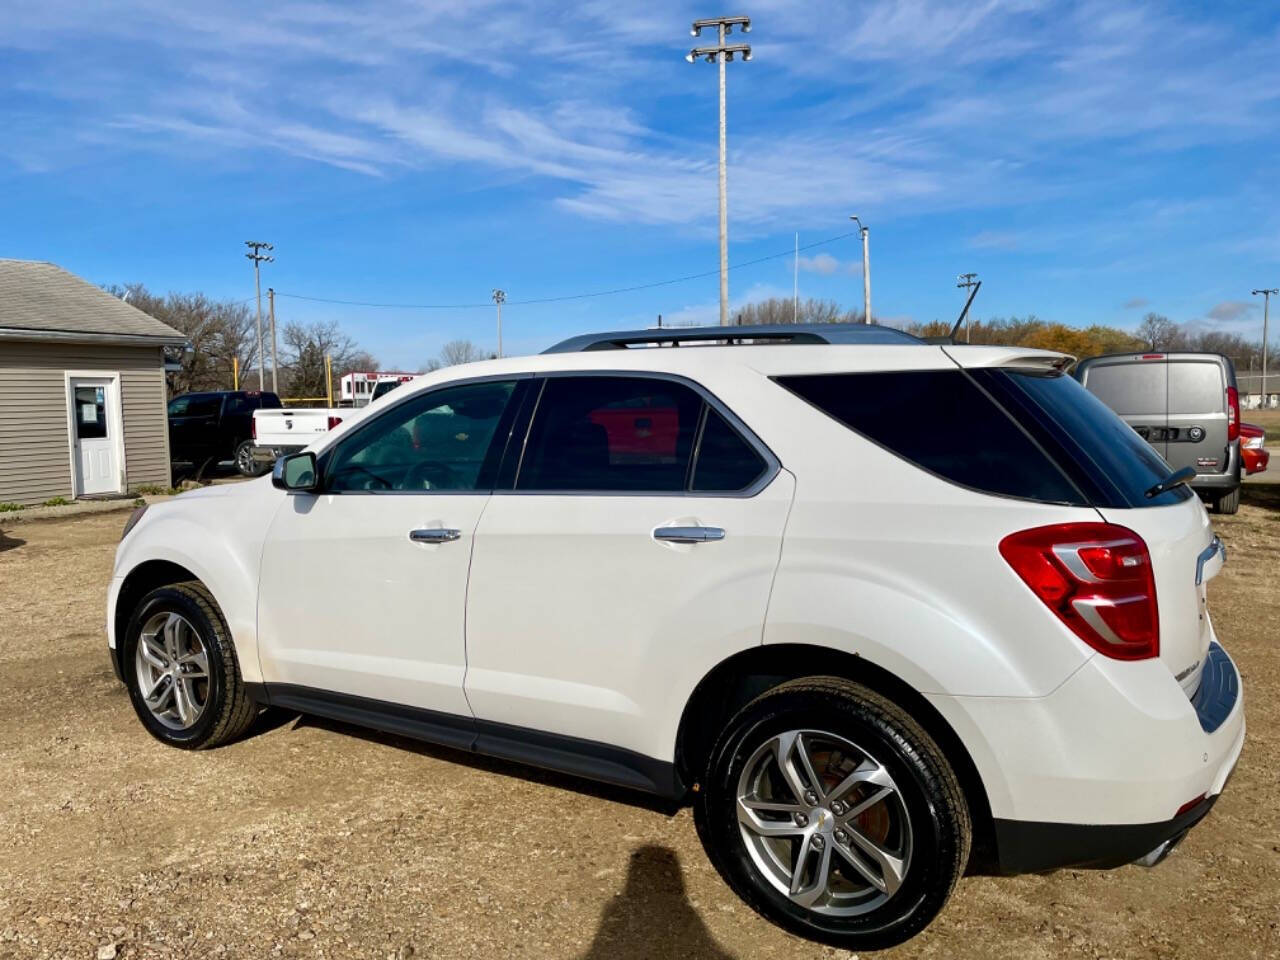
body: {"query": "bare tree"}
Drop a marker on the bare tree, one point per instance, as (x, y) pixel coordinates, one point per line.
(305, 347)
(460, 351)
(218, 332)
(1159, 332)
(783, 310)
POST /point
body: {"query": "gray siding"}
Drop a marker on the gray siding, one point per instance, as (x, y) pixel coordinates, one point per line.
(35, 453)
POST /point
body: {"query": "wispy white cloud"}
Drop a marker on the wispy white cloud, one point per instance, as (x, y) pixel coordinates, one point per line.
(909, 105)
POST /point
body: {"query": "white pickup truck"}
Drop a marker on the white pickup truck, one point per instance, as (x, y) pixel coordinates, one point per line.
(288, 431)
(277, 432)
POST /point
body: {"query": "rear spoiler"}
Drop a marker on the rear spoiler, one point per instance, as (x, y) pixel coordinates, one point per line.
(1028, 361)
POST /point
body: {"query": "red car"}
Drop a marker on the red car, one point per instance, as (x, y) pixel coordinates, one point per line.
(1252, 452)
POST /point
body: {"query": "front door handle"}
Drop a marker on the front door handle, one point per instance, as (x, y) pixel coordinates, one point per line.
(688, 534)
(435, 535)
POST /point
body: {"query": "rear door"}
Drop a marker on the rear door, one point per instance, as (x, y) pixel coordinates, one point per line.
(635, 551)
(1197, 435)
(1117, 470)
(1137, 389)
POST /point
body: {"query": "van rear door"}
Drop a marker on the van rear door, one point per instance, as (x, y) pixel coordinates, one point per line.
(1137, 388)
(1197, 417)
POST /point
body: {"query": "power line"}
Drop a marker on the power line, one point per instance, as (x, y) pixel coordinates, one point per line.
(574, 296)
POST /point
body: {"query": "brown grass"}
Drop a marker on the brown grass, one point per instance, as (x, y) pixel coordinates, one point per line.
(310, 839)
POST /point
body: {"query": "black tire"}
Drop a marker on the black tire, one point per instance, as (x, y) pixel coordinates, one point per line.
(1229, 503)
(941, 831)
(245, 463)
(228, 710)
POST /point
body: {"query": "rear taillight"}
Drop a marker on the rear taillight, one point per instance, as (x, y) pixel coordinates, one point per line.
(1233, 413)
(1097, 578)
(253, 428)
(334, 421)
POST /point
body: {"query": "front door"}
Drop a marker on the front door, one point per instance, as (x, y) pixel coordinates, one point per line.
(363, 584)
(636, 552)
(96, 435)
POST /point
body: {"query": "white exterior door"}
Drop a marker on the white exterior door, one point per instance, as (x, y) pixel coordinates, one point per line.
(96, 434)
(591, 614)
(363, 585)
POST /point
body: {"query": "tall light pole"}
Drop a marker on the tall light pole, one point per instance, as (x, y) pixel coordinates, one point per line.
(721, 53)
(866, 269)
(1266, 315)
(499, 298)
(967, 281)
(258, 257)
(271, 311)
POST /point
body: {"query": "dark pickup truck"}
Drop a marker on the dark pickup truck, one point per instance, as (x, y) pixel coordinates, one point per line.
(211, 427)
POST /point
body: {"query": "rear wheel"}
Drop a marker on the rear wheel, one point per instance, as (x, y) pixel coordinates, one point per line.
(1229, 503)
(245, 463)
(181, 669)
(833, 814)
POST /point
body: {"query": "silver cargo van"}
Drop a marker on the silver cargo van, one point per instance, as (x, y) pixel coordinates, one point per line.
(1183, 404)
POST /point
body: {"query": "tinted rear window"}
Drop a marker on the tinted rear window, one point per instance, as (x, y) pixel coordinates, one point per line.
(1134, 389)
(1112, 464)
(942, 422)
(1196, 387)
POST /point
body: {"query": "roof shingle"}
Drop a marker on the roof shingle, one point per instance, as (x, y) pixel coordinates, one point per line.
(42, 297)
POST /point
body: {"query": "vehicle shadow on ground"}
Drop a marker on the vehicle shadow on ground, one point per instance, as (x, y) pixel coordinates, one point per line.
(1265, 495)
(651, 916)
(9, 543)
(477, 761)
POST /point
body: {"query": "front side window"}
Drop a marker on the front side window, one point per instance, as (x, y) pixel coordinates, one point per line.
(633, 434)
(441, 440)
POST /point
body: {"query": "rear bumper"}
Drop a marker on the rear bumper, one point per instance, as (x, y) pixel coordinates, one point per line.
(1028, 847)
(271, 454)
(1109, 767)
(1228, 479)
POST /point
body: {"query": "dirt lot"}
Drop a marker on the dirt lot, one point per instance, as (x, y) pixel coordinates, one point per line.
(310, 839)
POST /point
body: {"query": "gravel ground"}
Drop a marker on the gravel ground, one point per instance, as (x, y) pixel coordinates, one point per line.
(310, 839)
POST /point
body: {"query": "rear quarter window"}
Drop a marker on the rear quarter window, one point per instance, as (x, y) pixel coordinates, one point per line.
(941, 421)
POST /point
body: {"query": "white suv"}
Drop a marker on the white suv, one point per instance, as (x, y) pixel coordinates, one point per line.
(882, 610)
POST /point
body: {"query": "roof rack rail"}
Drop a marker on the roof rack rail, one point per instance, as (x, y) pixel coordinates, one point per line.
(772, 333)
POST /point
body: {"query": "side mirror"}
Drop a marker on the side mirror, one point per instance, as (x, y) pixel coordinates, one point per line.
(297, 471)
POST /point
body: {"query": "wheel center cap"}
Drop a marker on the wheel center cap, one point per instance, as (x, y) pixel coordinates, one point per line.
(822, 818)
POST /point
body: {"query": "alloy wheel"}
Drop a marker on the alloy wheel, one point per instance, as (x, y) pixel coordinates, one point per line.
(824, 822)
(172, 666)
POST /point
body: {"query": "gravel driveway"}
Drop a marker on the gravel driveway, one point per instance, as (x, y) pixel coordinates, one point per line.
(311, 839)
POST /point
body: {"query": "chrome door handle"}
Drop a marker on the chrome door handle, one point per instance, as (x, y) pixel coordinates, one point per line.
(434, 535)
(688, 534)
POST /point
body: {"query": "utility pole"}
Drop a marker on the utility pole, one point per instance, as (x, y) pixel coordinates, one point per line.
(795, 288)
(967, 281)
(258, 257)
(721, 53)
(866, 268)
(271, 300)
(499, 298)
(1266, 316)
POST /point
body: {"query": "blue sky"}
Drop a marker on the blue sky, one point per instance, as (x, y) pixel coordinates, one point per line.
(1090, 161)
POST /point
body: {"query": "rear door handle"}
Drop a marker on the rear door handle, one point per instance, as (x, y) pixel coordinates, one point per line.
(435, 535)
(688, 534)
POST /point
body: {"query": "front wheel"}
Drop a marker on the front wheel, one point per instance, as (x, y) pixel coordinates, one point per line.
(181, 669)
(832, 813)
